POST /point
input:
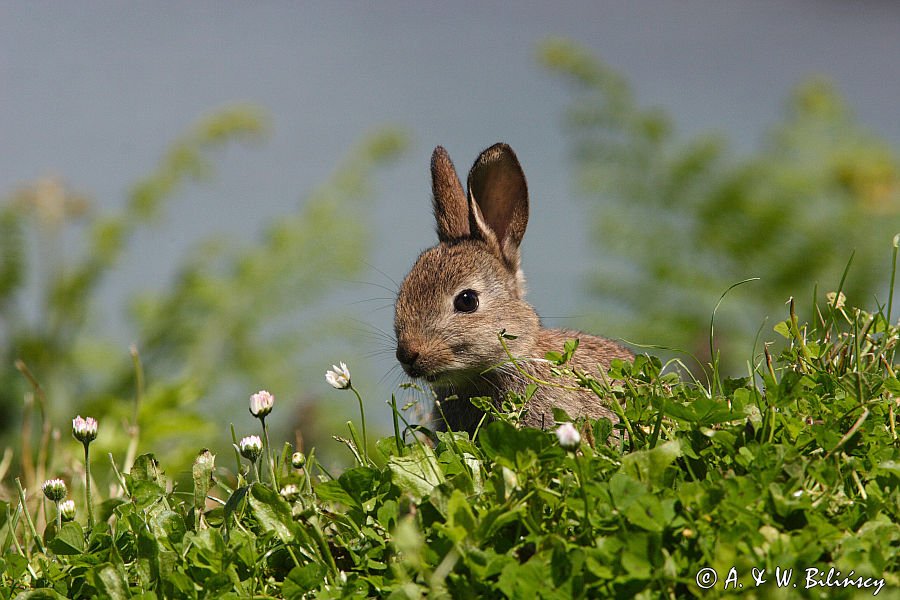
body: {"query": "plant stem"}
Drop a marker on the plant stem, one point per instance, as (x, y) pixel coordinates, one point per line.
(134, 428)
(525, 373)
(362, 416)
(896, 244)
(267, 454)
(28, 520)
(397, 439)
(587, 518)
(87, 486)
(58, 517)
(237, 453)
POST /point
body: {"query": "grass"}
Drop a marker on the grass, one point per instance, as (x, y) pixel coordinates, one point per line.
(764, 482)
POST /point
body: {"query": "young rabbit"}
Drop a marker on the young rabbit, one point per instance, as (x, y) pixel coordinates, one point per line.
(461, 293)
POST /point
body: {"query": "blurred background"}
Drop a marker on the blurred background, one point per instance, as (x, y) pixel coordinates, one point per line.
(235, 189)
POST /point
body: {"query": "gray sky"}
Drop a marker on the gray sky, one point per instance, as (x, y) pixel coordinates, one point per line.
(94, 91)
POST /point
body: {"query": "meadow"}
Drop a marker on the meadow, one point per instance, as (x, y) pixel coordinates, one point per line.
(782, 483)
(759, 461)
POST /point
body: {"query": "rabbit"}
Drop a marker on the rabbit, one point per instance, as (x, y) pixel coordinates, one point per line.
(462, 292)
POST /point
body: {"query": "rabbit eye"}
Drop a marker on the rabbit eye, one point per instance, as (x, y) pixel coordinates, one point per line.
(466, 301)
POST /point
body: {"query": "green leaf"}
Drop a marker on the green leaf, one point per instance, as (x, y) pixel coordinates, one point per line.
(890, 466)
(360, 482)
(147, 560)
(892, 384)
(271, 512)
(168, 527)
(560, 415)
(333, 491)
(650, 465)
(146, 468)
(783, 328)
(417, 473)
(530, 580)
(554, 357)
(201, 472)
(69, 540)
(16, 565)
(511, 447)
(145, 493)
(460, 517)
(388, 514)
(624, 489)
(234, 502)
(111, 583)
(648, 513)
(40, 594)
(301, 580)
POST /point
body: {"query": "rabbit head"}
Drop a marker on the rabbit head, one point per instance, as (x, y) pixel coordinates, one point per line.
(461, 293)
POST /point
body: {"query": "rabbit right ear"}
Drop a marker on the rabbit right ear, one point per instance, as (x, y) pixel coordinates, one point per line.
(499, 200)
(451, 208)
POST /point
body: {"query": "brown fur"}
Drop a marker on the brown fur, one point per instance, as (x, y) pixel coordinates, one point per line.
(479, 238)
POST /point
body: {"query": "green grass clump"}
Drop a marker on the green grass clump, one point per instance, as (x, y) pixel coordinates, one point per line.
(794, 467)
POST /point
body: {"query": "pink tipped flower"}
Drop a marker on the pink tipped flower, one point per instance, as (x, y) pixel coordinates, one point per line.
(250, 447)
(54, 489)
(261, 403)
(568, 436)
(339, 377)
(84, 430)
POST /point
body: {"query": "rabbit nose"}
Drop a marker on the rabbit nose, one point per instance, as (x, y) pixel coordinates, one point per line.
(406, 356)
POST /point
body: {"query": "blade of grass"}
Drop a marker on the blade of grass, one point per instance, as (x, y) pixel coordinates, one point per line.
(713, 355)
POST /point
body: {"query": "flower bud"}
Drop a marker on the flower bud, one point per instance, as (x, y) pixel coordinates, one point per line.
(250, 447)
(67, 510)
(54, 489)
(298, 460)
(261, 403)
(568, 436)
(290, 492)
(84, 430)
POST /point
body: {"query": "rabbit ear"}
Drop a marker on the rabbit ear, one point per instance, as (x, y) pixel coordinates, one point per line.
(499, 200)
(451, 210)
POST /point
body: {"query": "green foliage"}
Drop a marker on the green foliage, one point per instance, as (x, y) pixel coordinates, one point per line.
(229, 320)
(679, 220)
(794, 468)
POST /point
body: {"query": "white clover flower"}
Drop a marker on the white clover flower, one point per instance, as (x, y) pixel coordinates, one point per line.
(67, 510)
(298, 460)
(54, 489)
(568, 436)
(84, 430)
(250, 447)
(261, 403)
(339, 377)
(290, 492)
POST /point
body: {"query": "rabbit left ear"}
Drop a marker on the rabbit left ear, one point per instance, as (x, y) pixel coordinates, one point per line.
(451, 209)
(498, 200)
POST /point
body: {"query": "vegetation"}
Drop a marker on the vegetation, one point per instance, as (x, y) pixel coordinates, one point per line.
(679, 220)
(788, 475)
(795, 467)
(223, 314)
